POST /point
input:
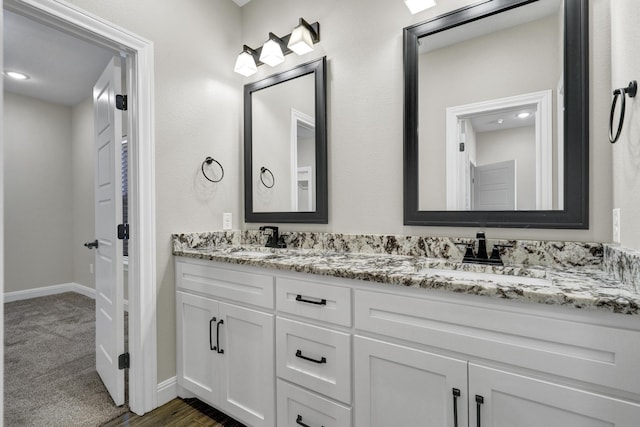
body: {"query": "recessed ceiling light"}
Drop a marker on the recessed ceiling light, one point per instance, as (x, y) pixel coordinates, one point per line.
(523, 115)
(16, 75)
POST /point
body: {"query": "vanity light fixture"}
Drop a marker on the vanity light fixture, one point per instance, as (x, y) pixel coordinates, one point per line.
(16, 75)
(300, 41)
(524, 115)
(302, 38)
(246, 62)
(416, 6)
(271, 53)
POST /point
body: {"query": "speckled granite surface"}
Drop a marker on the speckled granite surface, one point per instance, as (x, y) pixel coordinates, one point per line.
(623, 264)
(567, 274)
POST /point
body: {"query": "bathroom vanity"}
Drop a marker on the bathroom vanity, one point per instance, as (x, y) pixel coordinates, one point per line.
(301, 337)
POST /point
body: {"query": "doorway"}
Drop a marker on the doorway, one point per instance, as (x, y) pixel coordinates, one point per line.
(141, 208)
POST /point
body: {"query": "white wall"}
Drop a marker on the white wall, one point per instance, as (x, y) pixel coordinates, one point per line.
(625, 65)
(82, 164)
(198, 103)
(363, 44)
(38, 193)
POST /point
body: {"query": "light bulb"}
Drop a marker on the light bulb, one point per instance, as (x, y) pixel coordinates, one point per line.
(300, 41)
(272, 53)
(245, 64)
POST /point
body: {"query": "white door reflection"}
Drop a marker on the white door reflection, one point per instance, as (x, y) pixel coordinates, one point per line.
(499, 154)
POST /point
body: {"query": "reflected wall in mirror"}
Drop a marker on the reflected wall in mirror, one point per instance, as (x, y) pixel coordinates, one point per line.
(285, 147)
(494, 133)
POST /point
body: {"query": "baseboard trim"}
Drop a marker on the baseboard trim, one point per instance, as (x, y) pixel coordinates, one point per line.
(54, 290)
(50, 290)
(167, 391)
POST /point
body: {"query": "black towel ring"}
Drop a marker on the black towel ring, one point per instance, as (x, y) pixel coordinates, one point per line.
(208, 161)
(273, 179)
(630, 90)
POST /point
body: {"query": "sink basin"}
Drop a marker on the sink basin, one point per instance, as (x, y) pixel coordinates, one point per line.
(474, 275)
(254, 254)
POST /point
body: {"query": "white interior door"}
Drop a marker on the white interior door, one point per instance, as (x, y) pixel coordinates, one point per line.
(495, 187)
(108, 212)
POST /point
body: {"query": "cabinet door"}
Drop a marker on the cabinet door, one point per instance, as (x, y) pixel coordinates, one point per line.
(515, 400)
(196, 337)
(402, 386)
(247, 365)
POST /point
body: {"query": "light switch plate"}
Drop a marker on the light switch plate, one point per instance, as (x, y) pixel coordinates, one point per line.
(227, 223)
(616, 225)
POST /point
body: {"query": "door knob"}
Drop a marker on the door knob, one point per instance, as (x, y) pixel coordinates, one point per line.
(91, 245)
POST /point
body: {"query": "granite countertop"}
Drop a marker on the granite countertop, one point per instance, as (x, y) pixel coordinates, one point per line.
(584, 287)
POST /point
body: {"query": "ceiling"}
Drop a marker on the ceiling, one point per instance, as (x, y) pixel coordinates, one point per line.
(62, 68)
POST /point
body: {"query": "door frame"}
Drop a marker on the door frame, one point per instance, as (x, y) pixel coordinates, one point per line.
(457, 165)
(142, 243)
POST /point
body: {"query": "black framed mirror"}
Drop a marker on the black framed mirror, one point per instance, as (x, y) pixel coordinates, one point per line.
(285, 147)
(472, 79)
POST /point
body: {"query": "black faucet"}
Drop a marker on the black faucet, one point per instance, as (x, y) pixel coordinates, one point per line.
(274, 240)
(481, 256)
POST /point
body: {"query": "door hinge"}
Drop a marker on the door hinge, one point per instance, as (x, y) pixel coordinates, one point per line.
(121, 102)
(462, 147)
(123, 231)
(123, 361)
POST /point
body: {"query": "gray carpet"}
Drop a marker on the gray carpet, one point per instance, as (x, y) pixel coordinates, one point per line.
(49, 369)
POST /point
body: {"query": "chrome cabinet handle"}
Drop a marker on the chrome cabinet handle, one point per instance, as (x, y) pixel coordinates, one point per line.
(456, 395)
(211, 346)
(322, 359)
(321, 302)
(479, 401)
(220, 350)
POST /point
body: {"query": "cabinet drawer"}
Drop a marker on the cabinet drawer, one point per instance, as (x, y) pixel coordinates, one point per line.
(568, 346)
(314, 357)
(314, 300)
(296, 406)
(245, 287)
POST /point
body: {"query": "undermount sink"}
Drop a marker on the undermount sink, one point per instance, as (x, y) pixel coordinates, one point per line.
(493, 277)
(254, 254)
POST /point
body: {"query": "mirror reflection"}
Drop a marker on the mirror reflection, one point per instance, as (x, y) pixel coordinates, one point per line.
(285, 147)
(283, 150)
(491, 108)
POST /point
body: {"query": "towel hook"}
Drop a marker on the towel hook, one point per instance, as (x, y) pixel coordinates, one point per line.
(273, 179)
(630, 90)
(208, 161)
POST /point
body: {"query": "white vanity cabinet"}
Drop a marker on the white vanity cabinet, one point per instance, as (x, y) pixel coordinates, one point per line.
(275, 348)
(225, 351)
(313, 353)
(442, 359)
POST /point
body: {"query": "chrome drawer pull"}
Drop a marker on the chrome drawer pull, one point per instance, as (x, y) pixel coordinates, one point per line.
(321, 302)
(299, 421)
(322, 360)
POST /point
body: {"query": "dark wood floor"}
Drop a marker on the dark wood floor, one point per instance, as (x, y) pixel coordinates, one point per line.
(178, 413)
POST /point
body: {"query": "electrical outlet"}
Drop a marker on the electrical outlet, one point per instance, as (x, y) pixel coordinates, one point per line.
(227, 223)
(616, 225)
(91, 268)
